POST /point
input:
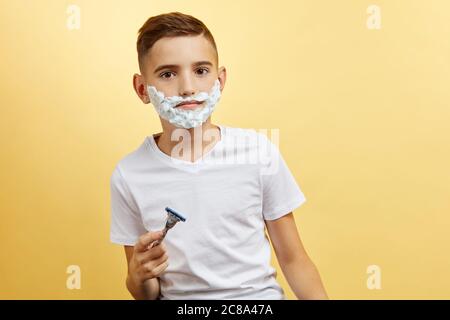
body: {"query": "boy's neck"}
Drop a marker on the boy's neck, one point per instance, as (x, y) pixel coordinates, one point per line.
(201, 143)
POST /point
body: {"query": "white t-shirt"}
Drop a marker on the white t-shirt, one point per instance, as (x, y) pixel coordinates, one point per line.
(221, 251)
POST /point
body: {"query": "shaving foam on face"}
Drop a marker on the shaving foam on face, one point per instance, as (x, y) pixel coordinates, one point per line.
(165, 106)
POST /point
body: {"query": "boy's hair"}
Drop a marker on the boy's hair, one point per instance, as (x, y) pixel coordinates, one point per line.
(171, 24)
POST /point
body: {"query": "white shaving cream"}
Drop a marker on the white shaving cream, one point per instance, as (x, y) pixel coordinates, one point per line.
(165, 106)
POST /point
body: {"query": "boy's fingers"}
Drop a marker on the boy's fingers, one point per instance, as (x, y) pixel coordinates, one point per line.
(153, 254)
(147, 238)
(156, 272)
(155, 263)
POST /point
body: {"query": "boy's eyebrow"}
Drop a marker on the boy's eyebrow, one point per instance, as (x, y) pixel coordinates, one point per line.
(174, 66)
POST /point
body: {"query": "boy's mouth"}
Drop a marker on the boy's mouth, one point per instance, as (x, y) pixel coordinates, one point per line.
(189, 105)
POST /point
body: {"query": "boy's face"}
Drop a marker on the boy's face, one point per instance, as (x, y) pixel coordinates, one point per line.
(180, 66)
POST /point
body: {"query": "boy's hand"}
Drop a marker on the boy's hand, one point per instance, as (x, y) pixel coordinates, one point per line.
(148, 263)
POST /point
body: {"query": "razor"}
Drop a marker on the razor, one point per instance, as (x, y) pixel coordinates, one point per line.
(173, 218)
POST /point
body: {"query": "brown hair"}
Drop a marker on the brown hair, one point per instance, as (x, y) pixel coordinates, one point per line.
(171, 24)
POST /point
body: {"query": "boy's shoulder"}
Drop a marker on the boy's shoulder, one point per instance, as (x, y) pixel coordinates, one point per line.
(134, 158)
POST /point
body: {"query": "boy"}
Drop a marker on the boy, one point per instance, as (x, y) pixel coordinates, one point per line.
(221, 251)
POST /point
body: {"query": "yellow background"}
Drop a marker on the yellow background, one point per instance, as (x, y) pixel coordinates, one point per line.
(363, 118)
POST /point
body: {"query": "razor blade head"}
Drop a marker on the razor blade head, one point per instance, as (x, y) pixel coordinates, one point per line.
(176, 215)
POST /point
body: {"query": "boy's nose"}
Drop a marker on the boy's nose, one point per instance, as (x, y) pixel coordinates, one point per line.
(186, 88)
(187, 93)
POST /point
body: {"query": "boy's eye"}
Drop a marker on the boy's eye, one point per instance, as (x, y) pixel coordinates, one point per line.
(164, 74)
(203, 71)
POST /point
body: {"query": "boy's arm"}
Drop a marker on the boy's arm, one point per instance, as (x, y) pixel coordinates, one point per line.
(298, 269)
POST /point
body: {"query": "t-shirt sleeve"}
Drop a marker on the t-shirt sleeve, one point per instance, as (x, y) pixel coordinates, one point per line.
(280, 192)
(126, 221)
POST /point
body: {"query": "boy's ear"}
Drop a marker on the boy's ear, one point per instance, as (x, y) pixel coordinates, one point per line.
(140, 87)
(222, 77)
